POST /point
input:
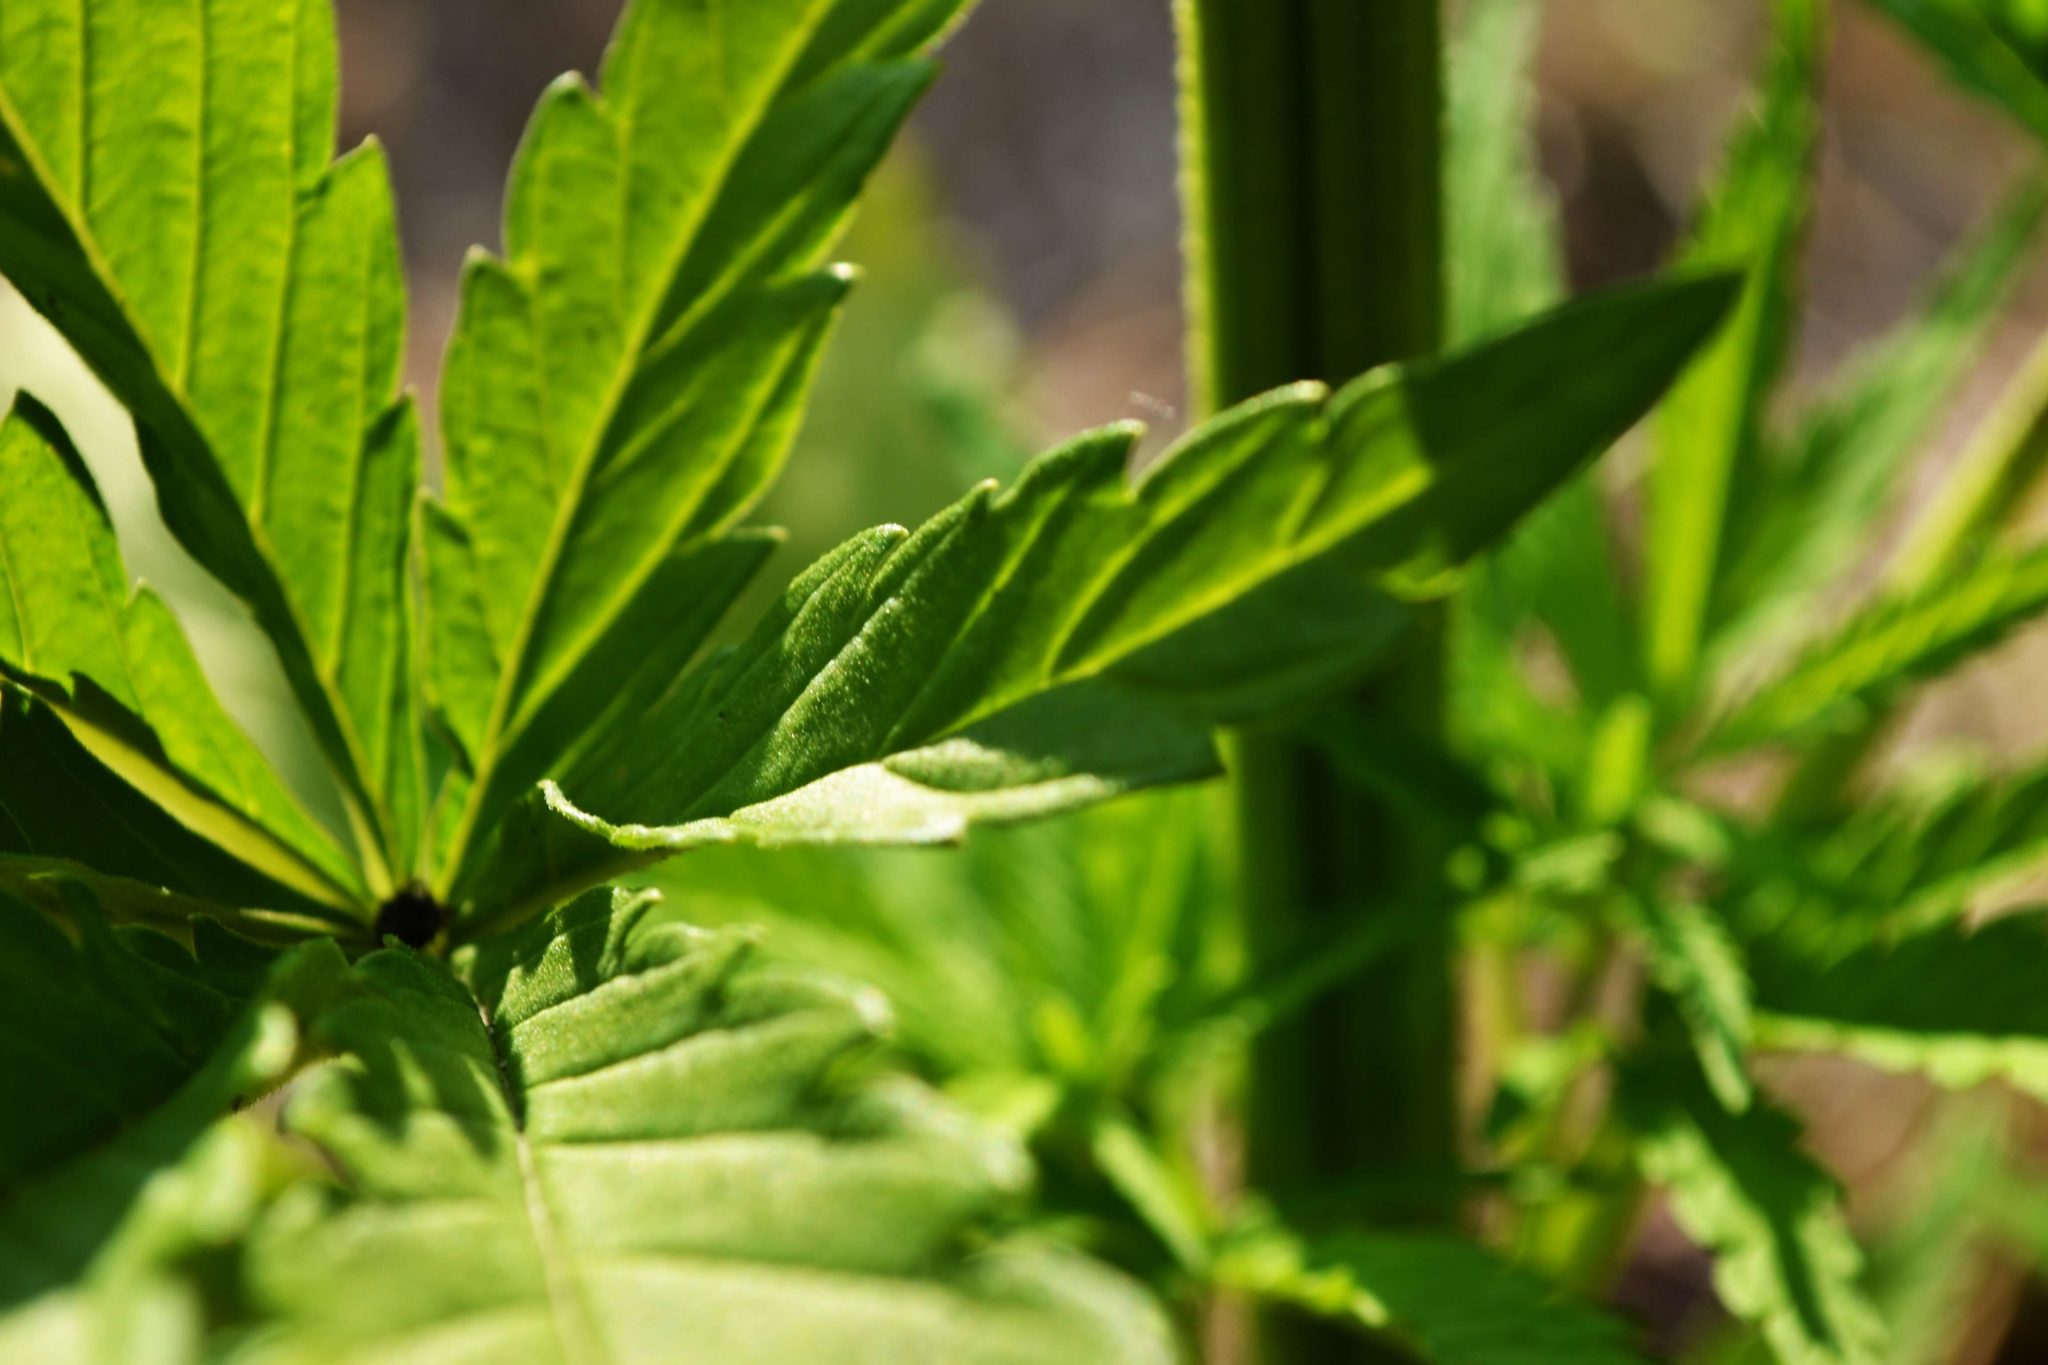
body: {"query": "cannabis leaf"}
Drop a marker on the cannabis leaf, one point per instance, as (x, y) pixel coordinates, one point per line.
(1960, 1004)
(1709, 429)
(1444, 1299)
(1069, 639)
(1888, 645)
(616, 1137)
(166, 201)
(115, 667)
(117, 1056)
(1741, 1188)
(1829, 479)
(623, 385)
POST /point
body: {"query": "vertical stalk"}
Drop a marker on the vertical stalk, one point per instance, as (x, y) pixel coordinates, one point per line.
(1312, 178)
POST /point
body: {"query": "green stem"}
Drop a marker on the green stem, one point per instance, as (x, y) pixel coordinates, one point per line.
(1312, 175)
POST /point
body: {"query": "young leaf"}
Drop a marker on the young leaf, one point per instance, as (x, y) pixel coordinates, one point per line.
(1693, 956)
(613, 1135)
(116, 668)
(1998, 51)
(623, 385)
(1962, 1005)
(1834, 476)
(166, 201)
(1987, 489)
(1709, 428)
(1443, 1299)
(1740, 1187)
(1886, 648)
(1048, 647)
(1917, 862)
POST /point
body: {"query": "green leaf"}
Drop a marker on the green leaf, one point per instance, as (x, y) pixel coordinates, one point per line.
(116, 668)
(1444, 1300)
(1504, 257)
(64, 812)
(1962, 1005)
(1113, 918)
(1986, 491)
(1741, 1188)
(624, 384)
(1887, 647)
(1709, 430)
(1048, 646)
(1996, 49)
(614, 1137)
(166, 201)
(1838, 470)
(117, 1055)
(1915, 861)
(1694, 958)
(1504, 263)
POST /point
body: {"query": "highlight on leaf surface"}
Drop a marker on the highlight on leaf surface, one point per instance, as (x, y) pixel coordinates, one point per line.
(616, 1137)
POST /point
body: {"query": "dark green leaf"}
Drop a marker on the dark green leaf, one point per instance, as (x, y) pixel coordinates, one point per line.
(1446, 1301)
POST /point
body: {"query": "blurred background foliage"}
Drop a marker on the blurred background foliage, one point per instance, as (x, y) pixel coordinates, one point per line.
(1081, 982)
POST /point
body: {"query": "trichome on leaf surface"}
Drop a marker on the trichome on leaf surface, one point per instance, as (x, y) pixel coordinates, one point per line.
(524, 1114)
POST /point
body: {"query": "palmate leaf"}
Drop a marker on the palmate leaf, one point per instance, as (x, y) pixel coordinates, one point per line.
(614, 1138)
(1446, 1301)
(624, 384)
(1886, 648)
(166, 201)
(1785, 1260)
(1709, 429)
(1962, 1005)
(1074, 637)
(116, 668)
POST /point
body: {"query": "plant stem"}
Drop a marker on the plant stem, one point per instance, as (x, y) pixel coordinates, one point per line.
(1312, 176)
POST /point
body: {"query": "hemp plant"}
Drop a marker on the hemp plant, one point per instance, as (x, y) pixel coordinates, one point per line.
(381, 1063)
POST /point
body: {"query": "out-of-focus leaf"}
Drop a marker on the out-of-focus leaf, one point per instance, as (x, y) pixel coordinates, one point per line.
(1444, 1300)
(1996, 49)
(1740, 1186)
(1912, 862)
(1881, 651)
(1962, 1005)
(1833, 477)
(120, 1058)
(1709, 431)
(614, 1136)
(1986, 492)
(1694, 957)
(1504, 255)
